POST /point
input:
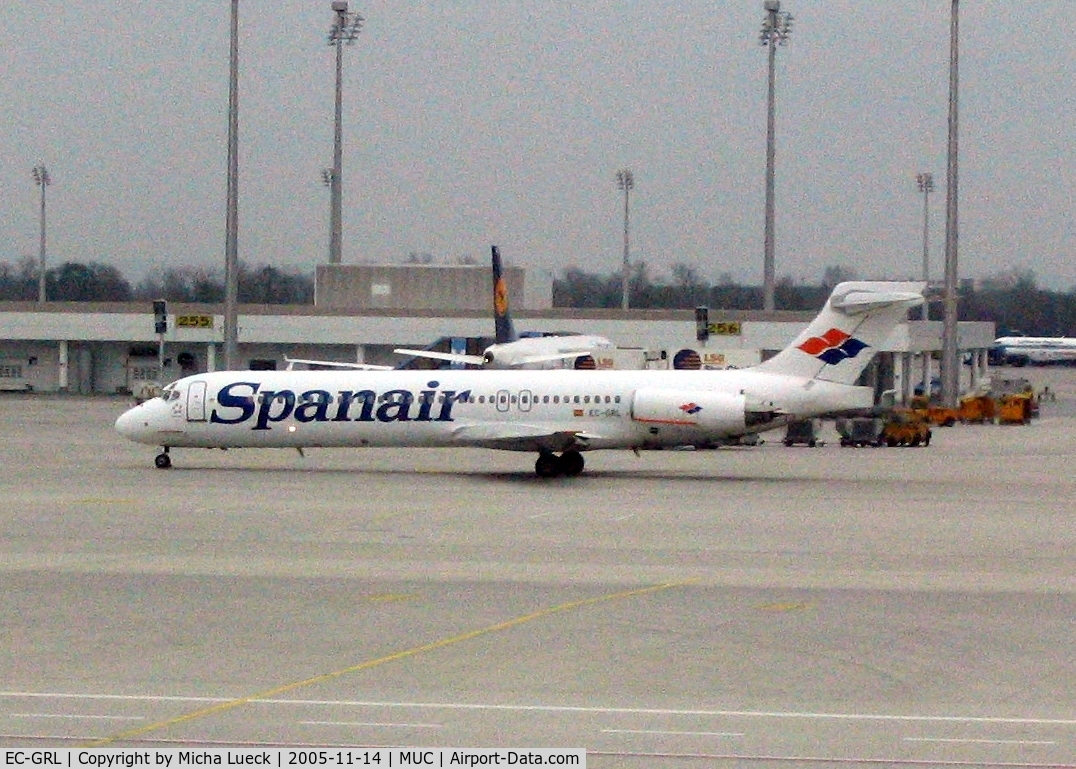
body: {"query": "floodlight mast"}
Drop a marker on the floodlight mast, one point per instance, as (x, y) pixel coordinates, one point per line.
(231, 246)
(776, 29)
(925, 182)
(42, 180)
(950, 370)
(625, 180)
(345, 29)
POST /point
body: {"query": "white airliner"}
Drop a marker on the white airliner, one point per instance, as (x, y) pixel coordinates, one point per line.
(510, 351)
(558, 414)
(1037, 350)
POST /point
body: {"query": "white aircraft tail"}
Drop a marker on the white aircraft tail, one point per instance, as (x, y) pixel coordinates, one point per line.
(856, 320)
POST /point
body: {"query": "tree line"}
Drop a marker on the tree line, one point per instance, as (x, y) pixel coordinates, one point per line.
(97, 282)
(1012, 300)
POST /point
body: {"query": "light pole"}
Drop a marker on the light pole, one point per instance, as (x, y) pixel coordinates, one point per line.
(950, 373)
(334, 242)
(231, 238)
(776, 28)
(42, 180)
(345, 29)
(625, 180)
(925, 182)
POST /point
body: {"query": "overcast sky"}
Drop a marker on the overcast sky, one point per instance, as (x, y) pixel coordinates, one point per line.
(475, 123)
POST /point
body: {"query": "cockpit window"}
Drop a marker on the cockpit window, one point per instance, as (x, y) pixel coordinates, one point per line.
(168, 392)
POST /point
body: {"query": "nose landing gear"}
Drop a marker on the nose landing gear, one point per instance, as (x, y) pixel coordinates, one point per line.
(549, 465)
(162, 460)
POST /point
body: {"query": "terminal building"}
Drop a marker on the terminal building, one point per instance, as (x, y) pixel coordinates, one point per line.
(362, 312)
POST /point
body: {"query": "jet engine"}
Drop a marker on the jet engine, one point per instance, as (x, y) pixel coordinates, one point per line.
(713, 412)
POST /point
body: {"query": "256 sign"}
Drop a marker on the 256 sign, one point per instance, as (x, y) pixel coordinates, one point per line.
(194, 321)
(725, 328)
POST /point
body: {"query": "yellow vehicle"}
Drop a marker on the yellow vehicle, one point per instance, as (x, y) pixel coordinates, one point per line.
(906, 427)
(935, 414)
(978, 409)
(1015, 409)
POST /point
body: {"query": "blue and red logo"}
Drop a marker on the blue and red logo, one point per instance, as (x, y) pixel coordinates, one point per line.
(833, 346)
(691, 408)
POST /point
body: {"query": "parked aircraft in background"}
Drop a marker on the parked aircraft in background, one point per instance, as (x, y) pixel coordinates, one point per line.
(558, 414)
(512, 351)
(1037, 350)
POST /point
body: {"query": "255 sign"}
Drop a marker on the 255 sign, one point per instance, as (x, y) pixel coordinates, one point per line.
(194, 321)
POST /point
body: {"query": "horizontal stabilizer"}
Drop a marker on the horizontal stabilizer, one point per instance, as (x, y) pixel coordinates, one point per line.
(855, 302)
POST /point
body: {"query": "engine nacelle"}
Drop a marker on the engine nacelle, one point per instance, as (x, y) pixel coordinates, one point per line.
(712, 412)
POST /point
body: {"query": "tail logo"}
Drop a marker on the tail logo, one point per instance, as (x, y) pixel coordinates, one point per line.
(833, 346)
(500, 297)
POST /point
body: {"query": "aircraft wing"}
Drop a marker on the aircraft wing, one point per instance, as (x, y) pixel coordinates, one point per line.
(335, 364)
(520, 437)
(474, 360)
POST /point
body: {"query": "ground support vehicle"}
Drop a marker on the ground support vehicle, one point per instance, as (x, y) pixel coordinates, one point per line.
(804, 432)
(906, 427)
(978, 409)
(860, 431)
(1015, 409)
(935, 413)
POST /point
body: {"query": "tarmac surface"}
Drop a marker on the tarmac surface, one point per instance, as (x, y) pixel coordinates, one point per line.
(753, 606)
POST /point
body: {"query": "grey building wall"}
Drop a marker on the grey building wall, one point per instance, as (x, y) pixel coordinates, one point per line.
(415, 287)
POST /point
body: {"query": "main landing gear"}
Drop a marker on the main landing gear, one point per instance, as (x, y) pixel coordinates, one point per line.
(549, 465)
(162, 460)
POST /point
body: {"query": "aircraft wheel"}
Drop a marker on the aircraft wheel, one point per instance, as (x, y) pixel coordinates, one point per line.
(571, 463)
(547, 466)
(163, 461)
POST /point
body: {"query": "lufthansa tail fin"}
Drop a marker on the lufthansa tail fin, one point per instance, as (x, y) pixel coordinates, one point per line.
(853, 325)
(502, 320)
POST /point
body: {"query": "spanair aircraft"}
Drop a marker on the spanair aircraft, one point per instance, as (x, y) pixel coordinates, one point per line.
(510, 351)
(558, 414)
(1037, 350)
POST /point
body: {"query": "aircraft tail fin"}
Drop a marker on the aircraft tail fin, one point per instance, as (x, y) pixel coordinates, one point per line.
(502, 319)
(855, 322)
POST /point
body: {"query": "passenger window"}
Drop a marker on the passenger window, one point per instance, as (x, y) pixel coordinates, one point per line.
(586, 399)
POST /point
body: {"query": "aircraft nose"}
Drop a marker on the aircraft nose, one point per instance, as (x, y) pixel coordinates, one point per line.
(133, 424)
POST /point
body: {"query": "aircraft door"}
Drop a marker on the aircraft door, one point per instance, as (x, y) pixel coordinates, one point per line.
(196, 402)
(502, 400)
(525, 400)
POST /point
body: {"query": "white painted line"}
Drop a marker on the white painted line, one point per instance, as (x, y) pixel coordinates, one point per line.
(75, 715)
(126, 697)
(563, 709)
(371, 723)
(981, 741)
(669, 731)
